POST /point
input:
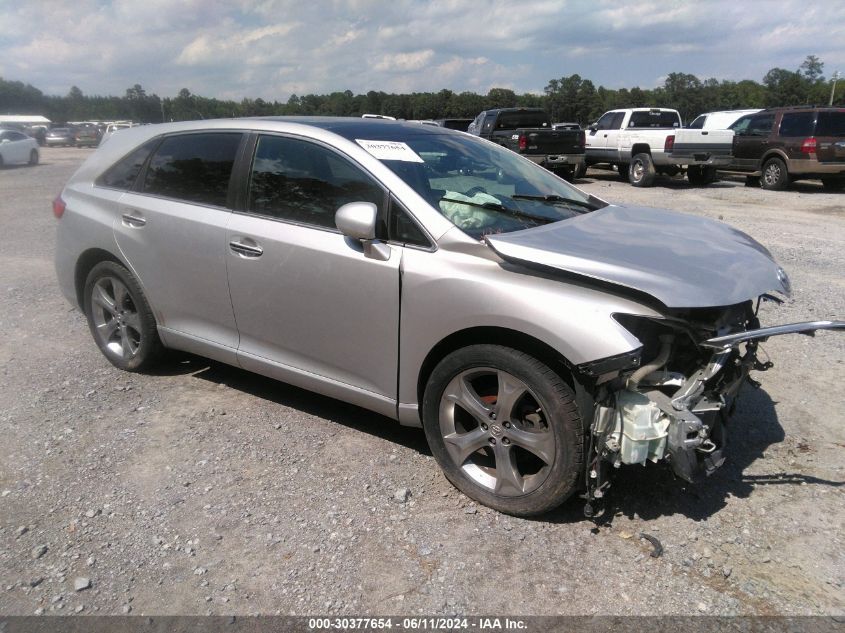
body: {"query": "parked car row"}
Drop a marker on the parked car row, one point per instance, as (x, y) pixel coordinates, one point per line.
(773, 147)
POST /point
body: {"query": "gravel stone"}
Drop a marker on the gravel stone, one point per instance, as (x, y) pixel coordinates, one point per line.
(402, 495)
(81, 583)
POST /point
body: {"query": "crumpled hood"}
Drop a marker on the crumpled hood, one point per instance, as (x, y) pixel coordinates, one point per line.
(683, 261)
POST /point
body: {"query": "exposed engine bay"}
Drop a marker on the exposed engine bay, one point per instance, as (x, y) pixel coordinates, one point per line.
(671, 401)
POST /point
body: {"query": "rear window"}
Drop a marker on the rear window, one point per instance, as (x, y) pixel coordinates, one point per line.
(797, 124)
(513, 120)
(194, 167)
(654, 119)
(831, 123)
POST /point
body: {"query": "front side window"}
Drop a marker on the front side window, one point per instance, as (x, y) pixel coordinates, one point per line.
(193, 167)
(797, 124)
(698, 123)
(606, 121)
(304, 182)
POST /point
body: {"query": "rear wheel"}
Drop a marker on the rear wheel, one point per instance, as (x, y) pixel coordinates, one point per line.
(120, 319)
(775, 177)
(834, 183)
(33, 157)
(504, 428)
(641, 172)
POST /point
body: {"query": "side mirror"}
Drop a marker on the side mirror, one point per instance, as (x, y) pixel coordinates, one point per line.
(357, 220)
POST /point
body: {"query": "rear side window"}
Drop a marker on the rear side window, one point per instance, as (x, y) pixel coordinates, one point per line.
(124, 173)
(304, 182)
(831, 124)
(760, 125)
(797, 124)
(193, 167)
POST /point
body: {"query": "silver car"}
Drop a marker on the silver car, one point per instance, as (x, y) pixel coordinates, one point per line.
(540, 336)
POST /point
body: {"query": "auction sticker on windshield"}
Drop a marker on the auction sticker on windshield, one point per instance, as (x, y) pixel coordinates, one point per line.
(390, 150)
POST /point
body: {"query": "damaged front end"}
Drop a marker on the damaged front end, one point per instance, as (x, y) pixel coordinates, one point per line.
(673, 405)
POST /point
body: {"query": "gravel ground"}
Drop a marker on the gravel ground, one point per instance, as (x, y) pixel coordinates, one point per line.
(204, 489)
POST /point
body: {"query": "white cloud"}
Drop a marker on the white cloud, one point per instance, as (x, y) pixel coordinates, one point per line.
(273, 48)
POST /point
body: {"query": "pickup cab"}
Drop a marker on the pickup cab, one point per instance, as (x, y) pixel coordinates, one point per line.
(529, 133)
(645, 142)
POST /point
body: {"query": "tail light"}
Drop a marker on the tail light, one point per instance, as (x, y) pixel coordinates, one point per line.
(59, 207)
(523, 141)
(582, 139)
(669, 144)
(809, 145)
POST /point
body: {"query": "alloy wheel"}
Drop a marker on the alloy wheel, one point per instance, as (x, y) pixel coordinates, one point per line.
(496, 432)
(116, 319)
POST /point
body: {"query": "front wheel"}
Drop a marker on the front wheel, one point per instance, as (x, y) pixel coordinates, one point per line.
(504, 428)
(121, 321)
(33, 157)
(774, 177)
(641, 172)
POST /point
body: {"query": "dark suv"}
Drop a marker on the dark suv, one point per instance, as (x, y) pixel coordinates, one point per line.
(781, 145)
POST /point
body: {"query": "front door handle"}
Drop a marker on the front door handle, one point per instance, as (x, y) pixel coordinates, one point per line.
(135, 221)
(246, 249)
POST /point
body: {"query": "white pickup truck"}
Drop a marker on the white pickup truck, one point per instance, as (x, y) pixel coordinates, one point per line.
(644, 142)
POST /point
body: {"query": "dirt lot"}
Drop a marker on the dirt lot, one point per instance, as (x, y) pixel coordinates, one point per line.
(204, 489)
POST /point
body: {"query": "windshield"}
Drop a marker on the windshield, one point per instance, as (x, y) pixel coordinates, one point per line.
(485, 189)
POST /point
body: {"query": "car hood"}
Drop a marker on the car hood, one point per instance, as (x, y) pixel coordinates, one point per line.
(683, 261)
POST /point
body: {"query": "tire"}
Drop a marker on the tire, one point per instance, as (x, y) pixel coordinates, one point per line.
(33, 157)
(522, 459)
(774, 176)
(580, 171)
(701, 175)
(565, 173)
(641, 172)
(120, 318)
(623, 169)
(833, 183)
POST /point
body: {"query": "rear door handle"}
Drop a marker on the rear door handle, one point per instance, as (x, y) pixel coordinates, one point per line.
(136, 221)
(246, 249)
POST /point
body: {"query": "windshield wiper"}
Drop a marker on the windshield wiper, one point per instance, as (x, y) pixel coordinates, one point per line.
(553, 198)
(502, 209)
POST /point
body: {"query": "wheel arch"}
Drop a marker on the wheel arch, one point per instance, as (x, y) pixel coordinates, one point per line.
(84, 264)
(493, 335)
(640, 148)
(775, 153)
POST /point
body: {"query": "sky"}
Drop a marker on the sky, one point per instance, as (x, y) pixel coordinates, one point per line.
(274, 48)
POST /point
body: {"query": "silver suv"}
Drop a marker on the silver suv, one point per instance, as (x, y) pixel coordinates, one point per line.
(539, 335)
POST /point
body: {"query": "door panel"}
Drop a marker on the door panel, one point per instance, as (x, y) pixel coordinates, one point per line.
(312, 300)
(178, 251)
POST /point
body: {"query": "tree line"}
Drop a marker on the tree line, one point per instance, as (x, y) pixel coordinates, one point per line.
(571, 98)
